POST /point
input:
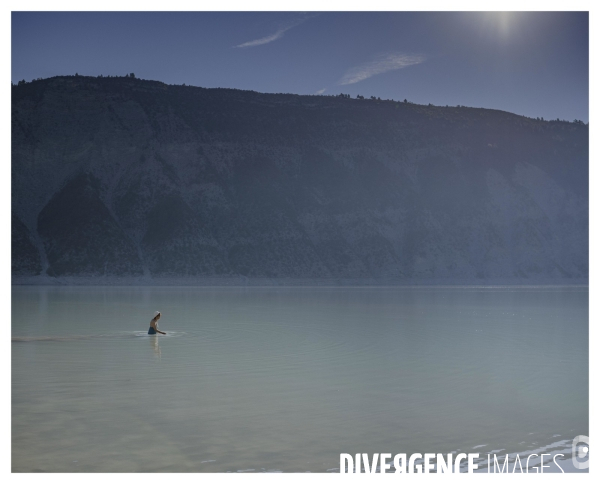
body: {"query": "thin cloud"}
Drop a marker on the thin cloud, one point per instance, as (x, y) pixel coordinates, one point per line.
(321, 91)
(273, 37)
(264, 40)
(384, 63)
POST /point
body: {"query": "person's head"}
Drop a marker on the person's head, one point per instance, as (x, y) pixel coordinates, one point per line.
(157, 315)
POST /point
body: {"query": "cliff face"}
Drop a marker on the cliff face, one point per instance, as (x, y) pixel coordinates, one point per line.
(124, 177)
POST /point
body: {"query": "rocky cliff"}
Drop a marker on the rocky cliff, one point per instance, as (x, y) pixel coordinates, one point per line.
(129, 178)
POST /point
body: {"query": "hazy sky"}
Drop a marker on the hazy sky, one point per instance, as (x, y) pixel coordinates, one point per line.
(532, 63)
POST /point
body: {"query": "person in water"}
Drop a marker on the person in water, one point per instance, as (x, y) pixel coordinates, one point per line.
(154, 324)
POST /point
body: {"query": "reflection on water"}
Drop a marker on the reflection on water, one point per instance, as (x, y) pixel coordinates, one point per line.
(285, 379)
(154, 344)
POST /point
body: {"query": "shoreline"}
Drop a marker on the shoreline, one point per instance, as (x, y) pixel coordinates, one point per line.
(241, 281)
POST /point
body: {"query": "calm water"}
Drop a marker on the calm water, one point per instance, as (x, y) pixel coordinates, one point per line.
(288, 378)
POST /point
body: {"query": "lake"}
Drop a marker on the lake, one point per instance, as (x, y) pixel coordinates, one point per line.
(286, 379)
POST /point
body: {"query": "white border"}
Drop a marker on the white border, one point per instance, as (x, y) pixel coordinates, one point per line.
(293, 5)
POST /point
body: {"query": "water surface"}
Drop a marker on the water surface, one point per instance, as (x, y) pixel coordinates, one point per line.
(286, 379)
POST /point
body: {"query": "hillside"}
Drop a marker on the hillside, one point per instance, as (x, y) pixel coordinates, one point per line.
(126, 178)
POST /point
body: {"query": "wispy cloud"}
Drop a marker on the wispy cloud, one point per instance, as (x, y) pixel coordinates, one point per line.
(321, 91)
(383, 63)
(264, 40)
(275, 36)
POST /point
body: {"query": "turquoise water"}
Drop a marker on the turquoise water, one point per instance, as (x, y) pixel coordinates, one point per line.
(286, 379)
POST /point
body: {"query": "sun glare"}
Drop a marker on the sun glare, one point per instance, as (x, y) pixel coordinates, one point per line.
(498, 24)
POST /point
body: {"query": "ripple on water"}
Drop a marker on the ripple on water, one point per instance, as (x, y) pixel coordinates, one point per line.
(80, 337)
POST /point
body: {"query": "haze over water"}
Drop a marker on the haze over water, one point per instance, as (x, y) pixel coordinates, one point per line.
(286, 379)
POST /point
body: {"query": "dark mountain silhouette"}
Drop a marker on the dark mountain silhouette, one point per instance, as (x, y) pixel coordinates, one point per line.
(124, 177)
